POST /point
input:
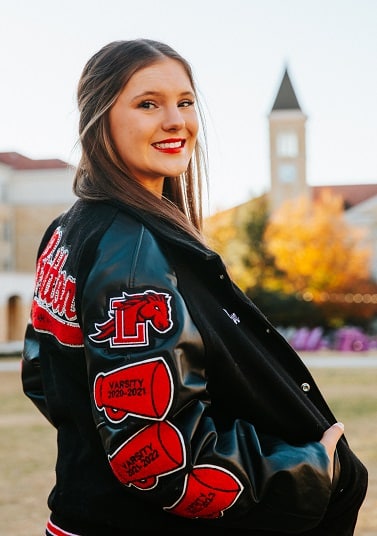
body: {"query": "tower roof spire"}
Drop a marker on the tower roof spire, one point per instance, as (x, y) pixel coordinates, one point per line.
(286, 97)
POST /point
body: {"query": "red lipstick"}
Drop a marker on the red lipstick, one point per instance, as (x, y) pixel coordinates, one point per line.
(170, 145)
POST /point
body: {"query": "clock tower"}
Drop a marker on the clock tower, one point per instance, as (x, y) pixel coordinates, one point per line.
(287, 125)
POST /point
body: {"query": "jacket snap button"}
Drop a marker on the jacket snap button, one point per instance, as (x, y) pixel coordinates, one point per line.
(222, 276)
(305, 387)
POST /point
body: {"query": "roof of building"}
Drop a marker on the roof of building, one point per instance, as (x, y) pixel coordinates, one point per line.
(352, 194)
(286, 97)
(21, 162)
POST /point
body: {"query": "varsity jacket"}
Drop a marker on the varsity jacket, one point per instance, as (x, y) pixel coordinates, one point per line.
(178, 406)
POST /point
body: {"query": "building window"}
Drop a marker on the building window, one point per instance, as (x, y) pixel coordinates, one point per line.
(7, 231)
(287, 144)
(287, 173)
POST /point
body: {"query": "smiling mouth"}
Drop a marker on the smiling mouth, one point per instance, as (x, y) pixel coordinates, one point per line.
(169, 145)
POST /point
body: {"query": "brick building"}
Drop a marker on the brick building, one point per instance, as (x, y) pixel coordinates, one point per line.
(32, 193)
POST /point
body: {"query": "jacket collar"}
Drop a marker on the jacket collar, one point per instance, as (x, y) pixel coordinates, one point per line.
(167, 231)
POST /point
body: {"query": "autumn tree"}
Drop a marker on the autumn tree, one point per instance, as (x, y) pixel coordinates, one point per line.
(237, 235)
(315, 247)
(260, 270)
(302, 264)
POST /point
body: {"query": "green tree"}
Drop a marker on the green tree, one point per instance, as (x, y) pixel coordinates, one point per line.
(260, 270)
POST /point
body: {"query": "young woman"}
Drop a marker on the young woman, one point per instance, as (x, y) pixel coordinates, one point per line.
(178, 407)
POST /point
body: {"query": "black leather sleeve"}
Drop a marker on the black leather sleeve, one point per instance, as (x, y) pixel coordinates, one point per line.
(147, 375)
(31, 371)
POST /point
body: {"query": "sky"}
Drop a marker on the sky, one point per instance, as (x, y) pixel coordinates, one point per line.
(238, 50)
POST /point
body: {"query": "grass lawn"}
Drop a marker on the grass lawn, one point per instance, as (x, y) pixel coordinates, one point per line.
(352, 395)
(27, 447)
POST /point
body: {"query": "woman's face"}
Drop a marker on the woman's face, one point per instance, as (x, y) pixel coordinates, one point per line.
(154, 123)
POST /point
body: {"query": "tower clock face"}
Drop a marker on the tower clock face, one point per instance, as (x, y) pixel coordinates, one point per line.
(287, 172)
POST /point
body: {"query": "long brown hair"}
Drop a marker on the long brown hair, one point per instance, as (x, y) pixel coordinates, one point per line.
(101, 173)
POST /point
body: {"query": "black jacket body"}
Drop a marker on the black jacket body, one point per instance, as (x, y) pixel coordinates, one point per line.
(178, 406)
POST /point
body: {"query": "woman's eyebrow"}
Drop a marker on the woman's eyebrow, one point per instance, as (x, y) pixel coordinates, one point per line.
(153, 93)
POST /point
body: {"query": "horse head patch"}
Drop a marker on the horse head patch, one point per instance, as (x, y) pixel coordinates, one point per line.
(132, 316)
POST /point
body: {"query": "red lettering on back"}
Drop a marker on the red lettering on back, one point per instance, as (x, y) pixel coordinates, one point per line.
(53, 309)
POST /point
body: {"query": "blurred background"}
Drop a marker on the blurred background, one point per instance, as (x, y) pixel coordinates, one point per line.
(289, 91)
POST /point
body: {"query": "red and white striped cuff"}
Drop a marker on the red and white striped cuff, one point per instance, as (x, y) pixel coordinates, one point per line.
(54, 530)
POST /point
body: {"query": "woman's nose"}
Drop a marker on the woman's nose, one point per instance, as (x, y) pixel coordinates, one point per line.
(173, 119)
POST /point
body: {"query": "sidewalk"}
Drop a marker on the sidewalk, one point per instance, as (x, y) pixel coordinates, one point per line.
(321, 359)
(333, 359)
(11, 348)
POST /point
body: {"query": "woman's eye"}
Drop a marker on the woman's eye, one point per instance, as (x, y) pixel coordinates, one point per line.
(186, 103)
(147, 105)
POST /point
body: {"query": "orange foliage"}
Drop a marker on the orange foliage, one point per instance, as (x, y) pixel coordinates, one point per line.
(315, 247)
(219, 231)
(224, 234)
